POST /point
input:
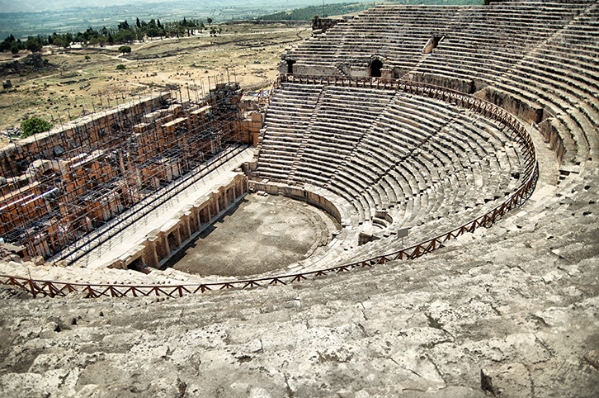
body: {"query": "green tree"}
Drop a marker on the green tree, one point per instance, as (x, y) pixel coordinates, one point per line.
(14, 49)
(121, 67)
(33, 45)
(209, 20)
(125, 49)
(33, 126)
(124, 36)
(60, 41)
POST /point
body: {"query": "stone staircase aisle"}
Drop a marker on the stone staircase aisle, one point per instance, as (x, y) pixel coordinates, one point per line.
(306, 134)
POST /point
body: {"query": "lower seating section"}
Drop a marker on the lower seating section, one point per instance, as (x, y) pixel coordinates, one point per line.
(287, 118)
(400, 160)
(344, 117)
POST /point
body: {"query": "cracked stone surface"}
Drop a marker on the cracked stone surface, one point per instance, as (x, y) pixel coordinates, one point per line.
(506, 311)
(510, 311)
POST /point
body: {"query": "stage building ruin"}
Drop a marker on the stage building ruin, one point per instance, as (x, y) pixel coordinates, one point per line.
(61, 185)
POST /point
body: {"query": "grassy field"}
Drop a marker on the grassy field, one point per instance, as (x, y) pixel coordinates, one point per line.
(83, 80)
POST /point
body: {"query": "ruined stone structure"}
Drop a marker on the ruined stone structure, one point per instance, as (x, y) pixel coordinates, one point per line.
(456, 147)
(162, 243)
(61, 185)
(321, 25)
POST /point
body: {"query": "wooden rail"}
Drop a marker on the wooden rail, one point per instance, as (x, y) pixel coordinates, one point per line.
(487, 109)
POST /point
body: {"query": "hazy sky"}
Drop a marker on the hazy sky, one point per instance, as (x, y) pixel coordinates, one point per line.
(55, 5)
(32, 17)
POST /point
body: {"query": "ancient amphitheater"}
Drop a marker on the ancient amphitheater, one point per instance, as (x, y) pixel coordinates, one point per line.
(450, 154)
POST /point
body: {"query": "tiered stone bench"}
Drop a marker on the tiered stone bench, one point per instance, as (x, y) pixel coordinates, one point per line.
(392, 160)
(282, 138)
(509, 310)
(536, 59)
(478, 41)
(561, 76)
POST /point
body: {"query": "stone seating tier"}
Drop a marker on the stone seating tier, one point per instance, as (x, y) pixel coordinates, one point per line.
(555, 69)
(417, 158)
(466, 286)
(398, 30)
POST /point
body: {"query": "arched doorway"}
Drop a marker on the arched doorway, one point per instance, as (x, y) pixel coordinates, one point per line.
(290, 66)
(375, 68)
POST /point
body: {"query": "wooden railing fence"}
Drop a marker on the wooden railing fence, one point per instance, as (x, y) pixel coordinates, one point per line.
(487, 109)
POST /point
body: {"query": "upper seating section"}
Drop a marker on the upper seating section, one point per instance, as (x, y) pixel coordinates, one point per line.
(561, 76)
(538, 60)
(478, 41)
(490, 39)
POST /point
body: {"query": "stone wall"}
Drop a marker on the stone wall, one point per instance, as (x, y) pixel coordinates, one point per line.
(252, 124)
(311, 70)
(463, 85)
(531, 112)
(321, 25)
(306, 195)
(85, 132)
(60, 185)
(551, 136)
(162, 243)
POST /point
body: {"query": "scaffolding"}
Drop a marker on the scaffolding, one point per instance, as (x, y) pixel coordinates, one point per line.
(59, 187)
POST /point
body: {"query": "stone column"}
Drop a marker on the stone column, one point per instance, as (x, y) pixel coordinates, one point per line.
(150, 255)
(187, 224)
(214, 199)
(177, 233)
(164, 242)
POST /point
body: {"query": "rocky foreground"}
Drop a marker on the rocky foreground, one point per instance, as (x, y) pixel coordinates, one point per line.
(511, 311)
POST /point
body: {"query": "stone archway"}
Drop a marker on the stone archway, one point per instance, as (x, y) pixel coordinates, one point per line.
(290, 63)
(375, 67)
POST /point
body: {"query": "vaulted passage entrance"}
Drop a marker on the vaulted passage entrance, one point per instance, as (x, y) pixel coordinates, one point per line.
(375, 68)
(290, 66)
